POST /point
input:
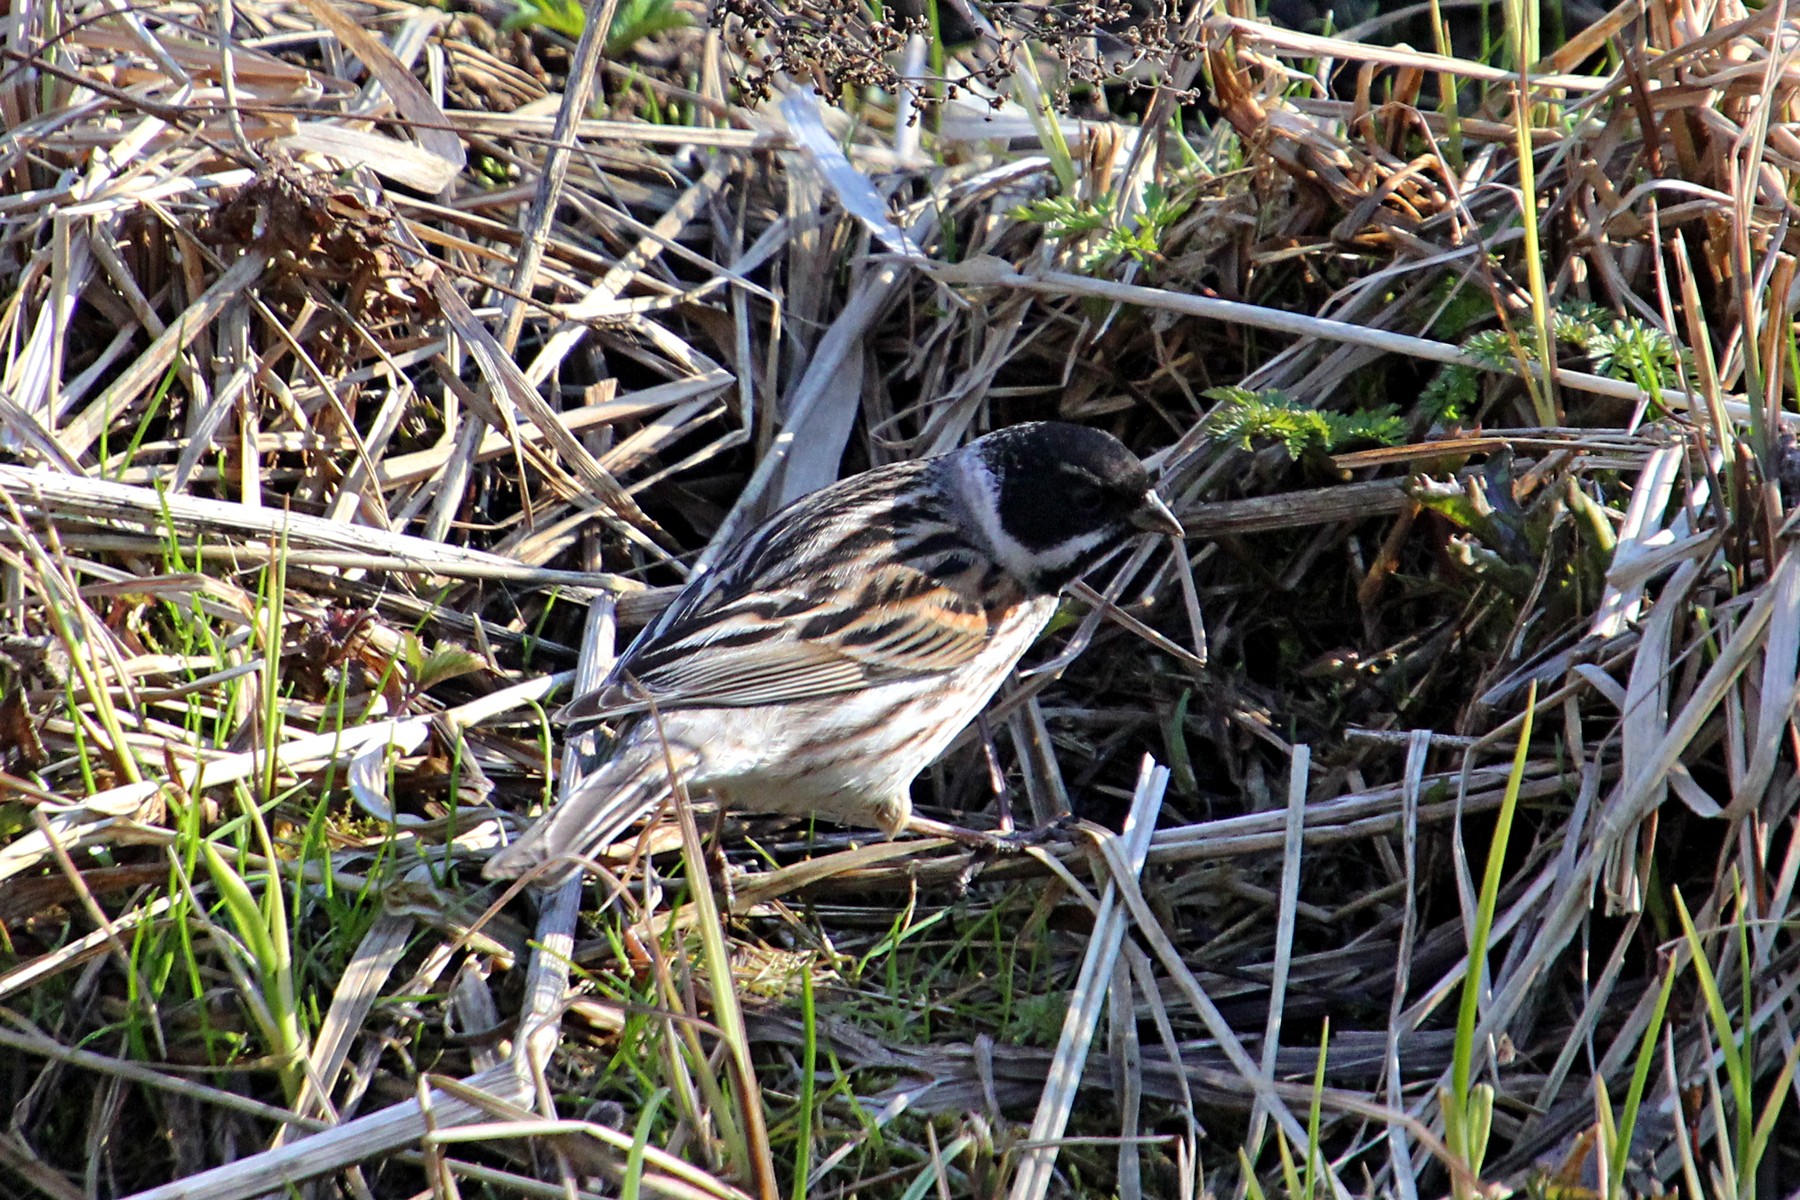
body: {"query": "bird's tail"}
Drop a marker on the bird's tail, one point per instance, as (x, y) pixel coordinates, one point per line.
(621, 792)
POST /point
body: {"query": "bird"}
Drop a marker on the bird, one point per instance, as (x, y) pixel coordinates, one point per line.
(833, 651)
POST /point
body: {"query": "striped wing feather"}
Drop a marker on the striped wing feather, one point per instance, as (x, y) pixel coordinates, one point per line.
(809, 608)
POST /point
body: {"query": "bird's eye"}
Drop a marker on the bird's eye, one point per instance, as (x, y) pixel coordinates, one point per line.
(1086, 499)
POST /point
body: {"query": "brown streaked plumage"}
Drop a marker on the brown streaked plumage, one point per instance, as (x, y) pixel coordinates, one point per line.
(836, 649)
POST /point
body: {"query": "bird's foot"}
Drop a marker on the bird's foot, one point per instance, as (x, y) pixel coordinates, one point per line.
(989, 844)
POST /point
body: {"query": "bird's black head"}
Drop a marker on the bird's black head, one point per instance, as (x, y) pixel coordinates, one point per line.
(1065, 497)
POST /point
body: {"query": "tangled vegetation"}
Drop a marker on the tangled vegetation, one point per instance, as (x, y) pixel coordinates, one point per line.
(1427, 828)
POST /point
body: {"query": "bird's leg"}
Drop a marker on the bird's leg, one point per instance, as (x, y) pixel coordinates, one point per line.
(996, 774)
(715, 852)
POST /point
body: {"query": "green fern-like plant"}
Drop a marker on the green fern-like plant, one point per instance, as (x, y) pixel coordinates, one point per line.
(1616, 347)
(1247, 417)
(1064, 218)
(1108, 241)
(1630, 348)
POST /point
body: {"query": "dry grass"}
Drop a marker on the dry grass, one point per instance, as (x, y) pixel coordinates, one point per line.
(352, 379)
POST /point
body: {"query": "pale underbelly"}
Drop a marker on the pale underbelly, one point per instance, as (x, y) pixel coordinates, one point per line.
(850, 758)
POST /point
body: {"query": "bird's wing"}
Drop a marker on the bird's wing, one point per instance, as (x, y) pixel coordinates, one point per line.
(892, 622)
(830, 599)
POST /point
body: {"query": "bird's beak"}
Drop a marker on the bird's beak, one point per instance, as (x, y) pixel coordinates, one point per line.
(1154, 516)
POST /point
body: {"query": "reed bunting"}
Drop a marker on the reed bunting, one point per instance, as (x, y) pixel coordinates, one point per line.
(838, 648)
